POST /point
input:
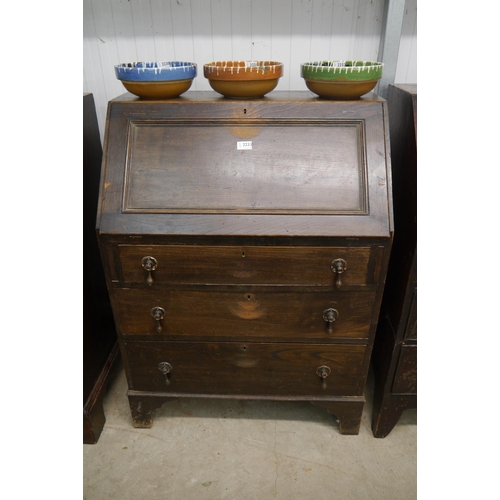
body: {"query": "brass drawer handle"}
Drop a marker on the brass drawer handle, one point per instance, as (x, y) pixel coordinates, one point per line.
(339, 266)
(330, 316)
(158, 314)
(149, 264)
(165, 368)
(322, 372)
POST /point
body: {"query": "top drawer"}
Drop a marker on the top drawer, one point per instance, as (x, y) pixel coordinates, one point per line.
(251, 265)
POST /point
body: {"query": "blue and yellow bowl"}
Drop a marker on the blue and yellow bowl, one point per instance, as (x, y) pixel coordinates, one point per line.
(156, 80)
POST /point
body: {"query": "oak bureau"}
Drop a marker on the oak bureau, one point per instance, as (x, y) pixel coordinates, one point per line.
(245, 245)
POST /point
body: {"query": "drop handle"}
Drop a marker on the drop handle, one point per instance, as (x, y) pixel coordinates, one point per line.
(322, 372)
(149, 264)
(165, 368)
(158, 314)
(330, 316)
(338, 267)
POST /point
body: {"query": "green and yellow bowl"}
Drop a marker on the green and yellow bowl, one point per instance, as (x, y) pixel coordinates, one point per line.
(341, 79)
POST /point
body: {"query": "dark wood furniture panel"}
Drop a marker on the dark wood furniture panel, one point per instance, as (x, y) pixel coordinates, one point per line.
(250, 369)
(244, 265)
(405, 377)
(279, 314)
(100, 347)
(411, 325)
(395, 350)
(231, 180)
(254, 273)
(290, 110)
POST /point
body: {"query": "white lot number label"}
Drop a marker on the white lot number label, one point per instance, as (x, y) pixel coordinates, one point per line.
(244, 145)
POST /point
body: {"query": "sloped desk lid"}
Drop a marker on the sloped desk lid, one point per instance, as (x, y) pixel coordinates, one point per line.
(289, 164)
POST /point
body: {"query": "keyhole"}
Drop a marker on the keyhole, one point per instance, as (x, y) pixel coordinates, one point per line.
(245, 111)
(243, 254)
(249, 297)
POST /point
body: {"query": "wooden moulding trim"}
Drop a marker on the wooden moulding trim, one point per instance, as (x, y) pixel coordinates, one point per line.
(359, 124)
(174, 395)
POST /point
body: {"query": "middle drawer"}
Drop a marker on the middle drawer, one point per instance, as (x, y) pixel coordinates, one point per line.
(308, 315)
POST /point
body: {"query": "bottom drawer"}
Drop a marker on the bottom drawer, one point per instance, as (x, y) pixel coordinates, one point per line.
(218, 368)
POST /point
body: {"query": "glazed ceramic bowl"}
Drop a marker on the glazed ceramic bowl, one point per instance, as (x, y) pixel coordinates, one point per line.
(243, 79)
(341, 79)
(156, 80)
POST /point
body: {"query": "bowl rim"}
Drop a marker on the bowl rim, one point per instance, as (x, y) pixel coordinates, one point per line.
(246, 64)
(154, 67)
(243, 71)
(167, 65)
(156, 71)
(343, 64)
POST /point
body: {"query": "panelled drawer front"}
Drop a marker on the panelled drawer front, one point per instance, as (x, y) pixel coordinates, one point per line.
(405, 379)
(238, 314)
(245, 368)
(244, 265)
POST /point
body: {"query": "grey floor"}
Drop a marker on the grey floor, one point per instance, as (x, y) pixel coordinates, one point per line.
(245, 450)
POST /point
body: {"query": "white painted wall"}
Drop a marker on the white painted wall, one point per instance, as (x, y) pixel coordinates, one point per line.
(406, 70)
(289, 31)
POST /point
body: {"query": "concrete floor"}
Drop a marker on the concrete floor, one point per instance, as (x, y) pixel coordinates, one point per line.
(246, 450)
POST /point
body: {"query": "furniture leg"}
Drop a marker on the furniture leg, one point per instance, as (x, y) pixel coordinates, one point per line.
(388, 411)
(143, 408)
(349, 414)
